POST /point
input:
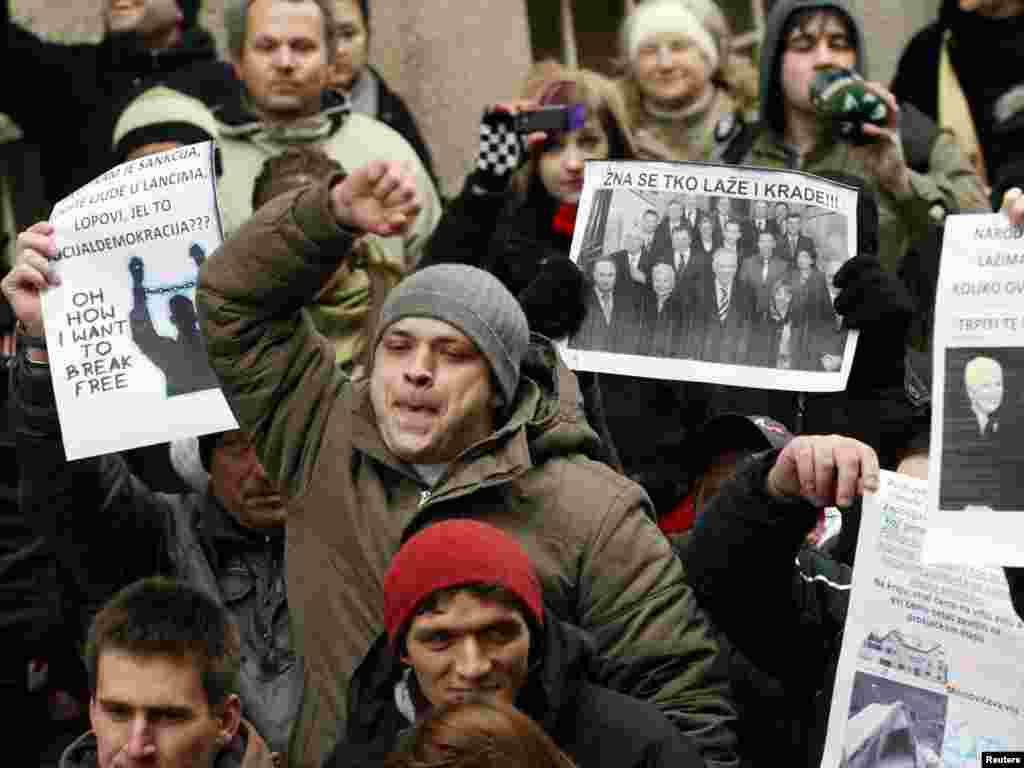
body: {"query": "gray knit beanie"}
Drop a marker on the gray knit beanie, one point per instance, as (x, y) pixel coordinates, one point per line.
(475, 302)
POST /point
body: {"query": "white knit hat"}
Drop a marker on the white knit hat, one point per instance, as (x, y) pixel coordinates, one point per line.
(688, 18)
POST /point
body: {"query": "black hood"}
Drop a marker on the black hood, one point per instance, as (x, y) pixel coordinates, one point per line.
(771, 52)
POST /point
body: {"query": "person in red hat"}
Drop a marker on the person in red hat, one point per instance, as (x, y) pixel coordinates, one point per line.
(465, 622)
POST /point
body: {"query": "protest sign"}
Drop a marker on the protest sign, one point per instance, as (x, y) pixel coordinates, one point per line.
(712, 273)
(977, 442)
(929, 669)
(129, 364)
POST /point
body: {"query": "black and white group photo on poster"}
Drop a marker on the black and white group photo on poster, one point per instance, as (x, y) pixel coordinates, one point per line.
(982, 442)
(712, 278)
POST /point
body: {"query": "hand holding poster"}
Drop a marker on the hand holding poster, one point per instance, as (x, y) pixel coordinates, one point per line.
(977, 439)
(712, 273)
(929, 669)
(128, 362)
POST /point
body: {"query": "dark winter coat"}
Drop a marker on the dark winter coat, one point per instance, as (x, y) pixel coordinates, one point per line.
(804, 606)
(88, 511)
(71, 102)
(594, 725)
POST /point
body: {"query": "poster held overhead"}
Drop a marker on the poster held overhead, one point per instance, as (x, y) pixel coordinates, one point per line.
(128, 360)
(977, 435)
(689, 280)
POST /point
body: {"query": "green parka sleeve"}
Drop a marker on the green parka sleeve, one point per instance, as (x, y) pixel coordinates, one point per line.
(637, 605)
(277, 372)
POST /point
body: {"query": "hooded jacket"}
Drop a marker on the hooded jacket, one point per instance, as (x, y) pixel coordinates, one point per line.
(601, 560)
(70, 104)
(595, 726)
(247, 750)
(945, 183)
(350, 138)
(85, 511)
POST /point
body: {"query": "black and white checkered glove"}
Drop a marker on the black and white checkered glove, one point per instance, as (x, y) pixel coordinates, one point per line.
(501, 152)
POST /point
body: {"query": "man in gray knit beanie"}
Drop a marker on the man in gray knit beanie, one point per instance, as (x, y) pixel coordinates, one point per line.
(453, 420)
(446, 360)
(476, 303)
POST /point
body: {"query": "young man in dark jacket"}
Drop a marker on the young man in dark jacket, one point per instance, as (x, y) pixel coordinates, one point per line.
(105, 529)
(88, 84)
(465, 620)
(162, 660)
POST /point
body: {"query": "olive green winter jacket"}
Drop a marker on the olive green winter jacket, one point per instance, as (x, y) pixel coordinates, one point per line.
(603, 563)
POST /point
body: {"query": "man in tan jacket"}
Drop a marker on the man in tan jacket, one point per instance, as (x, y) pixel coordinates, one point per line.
(462, 416)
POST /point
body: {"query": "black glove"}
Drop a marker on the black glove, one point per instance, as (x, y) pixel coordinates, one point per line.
(554, 301)
(500, 155)
(878, 304)
(872, 299)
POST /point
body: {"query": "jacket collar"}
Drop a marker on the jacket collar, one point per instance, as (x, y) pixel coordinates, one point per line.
(564, 662)
(246, 750)
(238, 120)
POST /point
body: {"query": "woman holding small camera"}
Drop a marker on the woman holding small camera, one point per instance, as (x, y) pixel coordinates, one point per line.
(517, 210)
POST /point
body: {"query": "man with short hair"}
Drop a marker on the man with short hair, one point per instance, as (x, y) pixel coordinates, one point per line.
(761, 273)
(460, 417)
(983, 381)
(981, 450)
(632, 264)
(145, 43)
(282, 51)
(465, 621)
(108, 529)
(162, 660)
(732, 238)
(611, 323)
(725, 313)
(648, 226)
(789, 245)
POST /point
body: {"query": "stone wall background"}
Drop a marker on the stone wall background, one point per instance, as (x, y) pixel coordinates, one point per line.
(450, 57)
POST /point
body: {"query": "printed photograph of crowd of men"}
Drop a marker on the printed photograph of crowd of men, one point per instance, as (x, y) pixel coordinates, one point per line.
(715, 279)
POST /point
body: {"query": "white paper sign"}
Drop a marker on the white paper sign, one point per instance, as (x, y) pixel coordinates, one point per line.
(713, 273)
(129, 364)
(929, 672)
(977, 442)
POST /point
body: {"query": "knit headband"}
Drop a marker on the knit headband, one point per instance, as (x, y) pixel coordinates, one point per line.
(654, 18)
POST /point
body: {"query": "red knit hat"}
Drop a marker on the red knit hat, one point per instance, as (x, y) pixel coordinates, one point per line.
(452, 553)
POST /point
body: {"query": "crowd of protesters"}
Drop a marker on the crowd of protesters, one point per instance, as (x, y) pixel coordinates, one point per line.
(430, 542)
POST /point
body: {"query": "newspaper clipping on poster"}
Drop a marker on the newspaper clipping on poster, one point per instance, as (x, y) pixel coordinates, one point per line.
(129, 363)
(977, 442)
(929, 671)
(713, 273)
